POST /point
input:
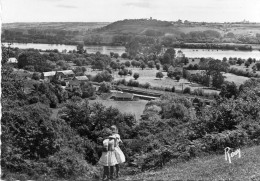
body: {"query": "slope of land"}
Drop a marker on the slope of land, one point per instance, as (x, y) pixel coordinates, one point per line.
(96, 33)
(67, 26)
(210, 168)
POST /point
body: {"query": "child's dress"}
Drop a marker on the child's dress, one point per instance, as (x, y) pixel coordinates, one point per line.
(119, 154)
(108, 158)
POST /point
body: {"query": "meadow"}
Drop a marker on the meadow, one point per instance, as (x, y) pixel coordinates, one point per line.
(212, 167)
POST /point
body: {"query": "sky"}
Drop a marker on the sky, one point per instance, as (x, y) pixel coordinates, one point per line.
(114, 10)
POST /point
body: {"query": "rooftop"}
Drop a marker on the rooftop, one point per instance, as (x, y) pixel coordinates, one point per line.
(66, 72)
(81, 77)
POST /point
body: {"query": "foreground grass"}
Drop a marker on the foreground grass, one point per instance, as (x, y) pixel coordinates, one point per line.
(210, 168)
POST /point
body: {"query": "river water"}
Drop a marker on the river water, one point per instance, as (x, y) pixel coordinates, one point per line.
(191, 53)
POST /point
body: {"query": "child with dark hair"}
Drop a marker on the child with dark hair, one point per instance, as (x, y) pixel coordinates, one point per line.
(120, 157)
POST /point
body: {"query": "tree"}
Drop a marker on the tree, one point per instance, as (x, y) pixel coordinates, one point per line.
(151, 64)
(103, 76)
(116, 55)
(178, 78)
(121, 73)
(133, 47)
(136, 76)
(159, 75)
(114, 65)
(127, 63)
(247, 64)
(111, 54)
(185, 60)
(257, 65)
(124, 55)
(171, 52)
(142, 65)
(4, 55)
(166, 59)
(239, 61)
(105, 87)
(228, 90)
(36, 76)
(157, 66)
(80, 49)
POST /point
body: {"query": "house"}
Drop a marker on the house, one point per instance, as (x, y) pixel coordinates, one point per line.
(123, 96)
(65, 75)
(12, 60)
(73, 84)
(81, 78)
(47, 76)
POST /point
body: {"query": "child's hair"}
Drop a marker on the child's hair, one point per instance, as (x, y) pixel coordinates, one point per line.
(114, 129)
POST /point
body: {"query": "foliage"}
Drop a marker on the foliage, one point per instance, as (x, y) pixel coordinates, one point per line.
(136, 76)
(105, 87)
(103, 76)
(159, 75)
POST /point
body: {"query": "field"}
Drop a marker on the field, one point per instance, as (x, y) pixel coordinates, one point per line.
(210, 168)
(132, 107)
(238, 80)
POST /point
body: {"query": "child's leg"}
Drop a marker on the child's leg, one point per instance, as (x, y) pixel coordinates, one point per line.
(106, 172)
(117, 169)
(111, 172)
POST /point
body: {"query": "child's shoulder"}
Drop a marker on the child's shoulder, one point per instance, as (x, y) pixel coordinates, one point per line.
(116, 135)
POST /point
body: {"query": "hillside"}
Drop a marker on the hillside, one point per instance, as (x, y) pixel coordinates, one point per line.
(228, 31)
(210, 168)
(66, 26)
(118, 33)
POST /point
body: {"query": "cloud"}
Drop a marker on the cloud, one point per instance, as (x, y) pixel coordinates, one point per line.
(141, 4)
(66, 6)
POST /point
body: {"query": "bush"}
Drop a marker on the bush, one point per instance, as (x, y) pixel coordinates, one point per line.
(146, 85)
(187, 90)
(178, 78)
(105, 87)
(68, 163)
(133, 83)
(136, 76)
(198, 92)
(173, 88)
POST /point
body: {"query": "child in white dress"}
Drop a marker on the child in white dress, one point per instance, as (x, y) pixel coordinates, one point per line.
(108, 158)
(120, 157)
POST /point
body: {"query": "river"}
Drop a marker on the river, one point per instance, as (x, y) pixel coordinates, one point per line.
(191, 53)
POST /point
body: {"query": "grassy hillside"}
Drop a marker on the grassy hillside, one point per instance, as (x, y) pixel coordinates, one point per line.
(210, 168)
(67, 26)
(141, 25)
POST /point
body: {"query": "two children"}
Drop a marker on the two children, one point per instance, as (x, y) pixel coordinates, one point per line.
(112, 155)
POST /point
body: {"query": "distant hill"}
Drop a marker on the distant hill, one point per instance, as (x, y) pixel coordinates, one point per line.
(67, 26)
(98, 33)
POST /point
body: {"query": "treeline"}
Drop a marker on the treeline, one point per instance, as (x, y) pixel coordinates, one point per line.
(40, 36)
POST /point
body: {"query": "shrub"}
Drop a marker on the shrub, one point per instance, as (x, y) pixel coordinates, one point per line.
(178, 78)
(173, 88)
(187, 90)
(105, 87)
(146, 85)
(198, 92)
(136, 76)
(133, 83)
